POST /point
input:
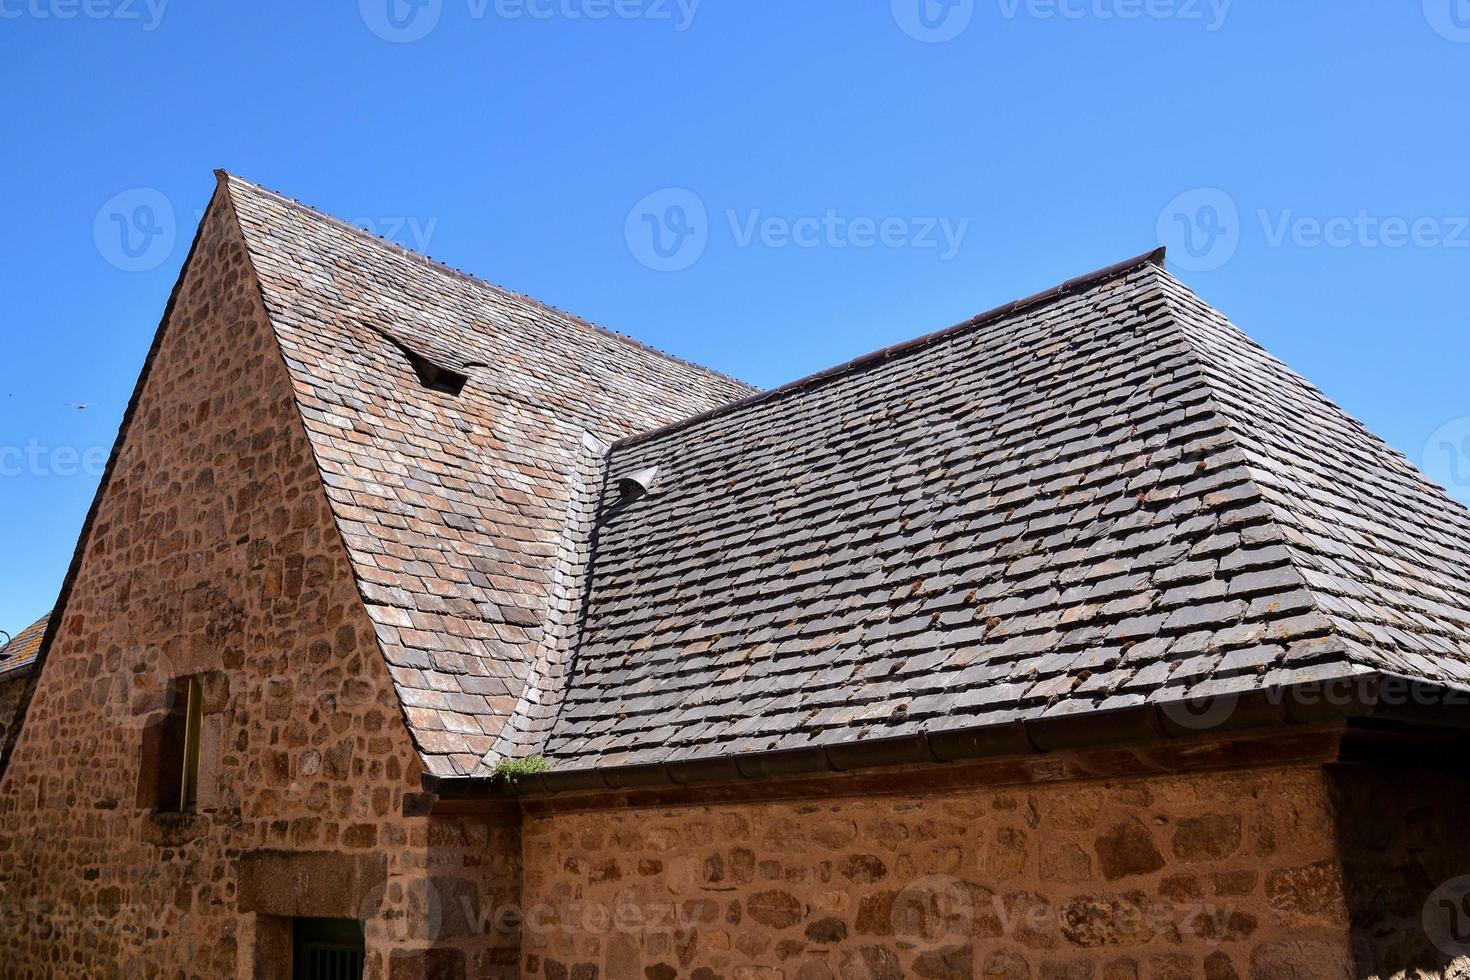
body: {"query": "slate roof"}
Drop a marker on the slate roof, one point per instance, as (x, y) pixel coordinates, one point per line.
(19, 654)
(454, 508)
(1104, 497)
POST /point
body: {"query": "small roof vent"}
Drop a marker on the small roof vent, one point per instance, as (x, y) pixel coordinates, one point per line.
(434, 376)
(637, 485)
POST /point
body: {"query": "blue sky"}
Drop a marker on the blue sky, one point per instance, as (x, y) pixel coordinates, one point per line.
(822, 178)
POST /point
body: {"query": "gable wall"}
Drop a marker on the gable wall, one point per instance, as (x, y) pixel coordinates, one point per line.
(213, 552)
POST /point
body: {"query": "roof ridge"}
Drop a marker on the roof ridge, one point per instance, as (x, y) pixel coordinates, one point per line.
(223, 176)
(1154, 257)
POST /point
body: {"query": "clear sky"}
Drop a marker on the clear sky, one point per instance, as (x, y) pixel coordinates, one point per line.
(767, 187)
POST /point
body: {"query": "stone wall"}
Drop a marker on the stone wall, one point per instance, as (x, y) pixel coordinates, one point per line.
(1191, 877)
(10, 692)
(213, 553)
(1406, 863)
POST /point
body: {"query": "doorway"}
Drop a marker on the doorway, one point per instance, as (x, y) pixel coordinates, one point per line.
(327, 949)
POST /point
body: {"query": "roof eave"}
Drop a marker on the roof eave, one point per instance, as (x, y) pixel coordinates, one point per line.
(1362, 698)
(15, 670)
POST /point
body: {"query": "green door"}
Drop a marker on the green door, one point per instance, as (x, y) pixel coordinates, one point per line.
(327, 949)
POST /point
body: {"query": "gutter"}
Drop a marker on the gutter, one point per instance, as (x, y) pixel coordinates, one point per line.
(1372, 698)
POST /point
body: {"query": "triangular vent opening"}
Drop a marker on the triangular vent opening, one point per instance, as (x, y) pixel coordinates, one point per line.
(433, 376)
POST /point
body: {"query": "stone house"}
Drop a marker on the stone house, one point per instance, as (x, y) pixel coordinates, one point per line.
(17, 658)
(421, 630)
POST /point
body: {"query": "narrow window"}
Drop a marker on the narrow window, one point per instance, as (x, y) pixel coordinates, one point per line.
(193, 721)
(170, 777)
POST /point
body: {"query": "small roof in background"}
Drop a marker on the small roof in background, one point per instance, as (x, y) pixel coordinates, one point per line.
(18, 655)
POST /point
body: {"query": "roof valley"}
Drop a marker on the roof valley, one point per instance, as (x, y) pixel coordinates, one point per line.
(528, 726)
